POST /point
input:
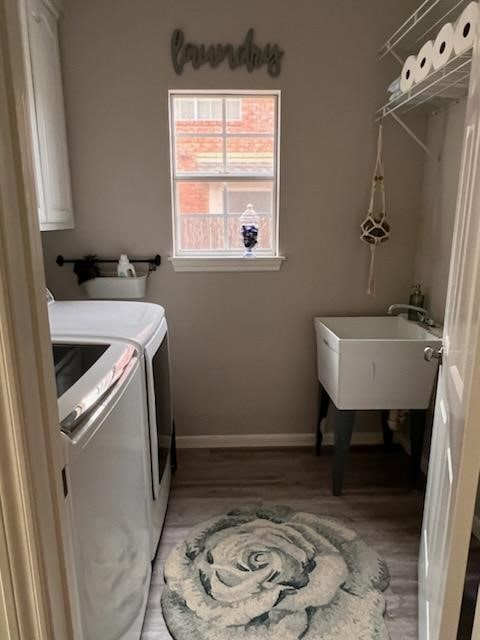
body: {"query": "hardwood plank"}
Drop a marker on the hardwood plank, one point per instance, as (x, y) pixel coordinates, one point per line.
(376, 502)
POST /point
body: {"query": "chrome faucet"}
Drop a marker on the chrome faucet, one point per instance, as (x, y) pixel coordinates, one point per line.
(423, 314)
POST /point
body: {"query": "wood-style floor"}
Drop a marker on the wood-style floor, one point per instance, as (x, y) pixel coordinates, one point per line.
(376, 503)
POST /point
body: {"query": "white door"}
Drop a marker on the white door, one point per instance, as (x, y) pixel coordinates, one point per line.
(455, 452)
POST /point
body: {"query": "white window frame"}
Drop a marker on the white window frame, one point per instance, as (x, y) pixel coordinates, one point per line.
(211, 260)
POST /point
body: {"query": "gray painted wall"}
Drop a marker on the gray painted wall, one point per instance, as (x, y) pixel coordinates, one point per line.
(242, 343)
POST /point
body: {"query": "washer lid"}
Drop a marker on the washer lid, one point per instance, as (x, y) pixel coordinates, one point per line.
(133, 321)
(85, 374)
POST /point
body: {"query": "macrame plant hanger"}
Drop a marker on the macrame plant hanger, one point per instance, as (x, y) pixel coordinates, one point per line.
(375, 228)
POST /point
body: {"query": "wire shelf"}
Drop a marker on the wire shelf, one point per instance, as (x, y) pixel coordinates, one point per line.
(422, 25)
(448, 83)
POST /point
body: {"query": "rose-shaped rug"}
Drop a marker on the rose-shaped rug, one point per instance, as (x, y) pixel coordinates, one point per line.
(274, 574)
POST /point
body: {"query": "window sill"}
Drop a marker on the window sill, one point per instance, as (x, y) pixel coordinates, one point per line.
(196, 264)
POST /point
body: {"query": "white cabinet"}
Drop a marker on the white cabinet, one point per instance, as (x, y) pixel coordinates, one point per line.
(47, 113)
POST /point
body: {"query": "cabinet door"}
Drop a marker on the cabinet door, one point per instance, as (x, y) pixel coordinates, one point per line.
(52, 168)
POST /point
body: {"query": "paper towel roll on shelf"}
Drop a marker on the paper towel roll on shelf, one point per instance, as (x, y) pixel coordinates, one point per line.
(424, 64)
(465, 28)
(443, 46)
(408, 73)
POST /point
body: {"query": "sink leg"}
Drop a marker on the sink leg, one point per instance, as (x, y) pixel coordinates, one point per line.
(387, 432)
(418, 419)
(323, 402)
(343, 434)
(173, 449)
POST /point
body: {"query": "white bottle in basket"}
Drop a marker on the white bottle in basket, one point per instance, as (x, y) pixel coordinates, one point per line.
(125, 268)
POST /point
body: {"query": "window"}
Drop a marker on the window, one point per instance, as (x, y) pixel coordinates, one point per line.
(207, 109)
(233, 109)
(224, 156)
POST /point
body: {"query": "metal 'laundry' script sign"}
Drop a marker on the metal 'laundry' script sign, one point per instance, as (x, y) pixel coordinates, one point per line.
(248, 54)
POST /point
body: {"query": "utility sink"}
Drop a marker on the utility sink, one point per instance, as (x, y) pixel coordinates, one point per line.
(375, 363)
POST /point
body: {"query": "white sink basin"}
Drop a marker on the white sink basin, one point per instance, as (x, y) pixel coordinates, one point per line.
(375, 363)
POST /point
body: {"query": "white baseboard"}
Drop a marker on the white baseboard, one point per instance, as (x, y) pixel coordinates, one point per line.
(476, 526)
(269, 440)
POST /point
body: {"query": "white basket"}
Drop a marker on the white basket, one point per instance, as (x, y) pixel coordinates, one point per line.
(108, 287)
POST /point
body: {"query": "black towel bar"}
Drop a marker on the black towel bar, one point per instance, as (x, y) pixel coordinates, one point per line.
(153, 263)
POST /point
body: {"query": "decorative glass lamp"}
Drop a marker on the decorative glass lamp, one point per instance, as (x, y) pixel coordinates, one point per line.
(250, 225)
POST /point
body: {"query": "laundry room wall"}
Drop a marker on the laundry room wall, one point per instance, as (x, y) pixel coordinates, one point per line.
(243, 348)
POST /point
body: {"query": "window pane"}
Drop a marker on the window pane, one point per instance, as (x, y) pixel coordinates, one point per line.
(258, 194)
(199, 207)
(204, 109)
(199, 198)
(197, 115)
(265, 233)
(217, 113)
(209, 109)
(198, 154)
(185, 109)
(250, 155)
(233, 109)
(202, 233)
(257, 115)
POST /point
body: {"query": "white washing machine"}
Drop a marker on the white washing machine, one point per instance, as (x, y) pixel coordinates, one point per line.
(103, 418)
(143, 325)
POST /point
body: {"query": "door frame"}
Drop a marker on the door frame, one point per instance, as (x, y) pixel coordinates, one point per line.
(34, 598)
